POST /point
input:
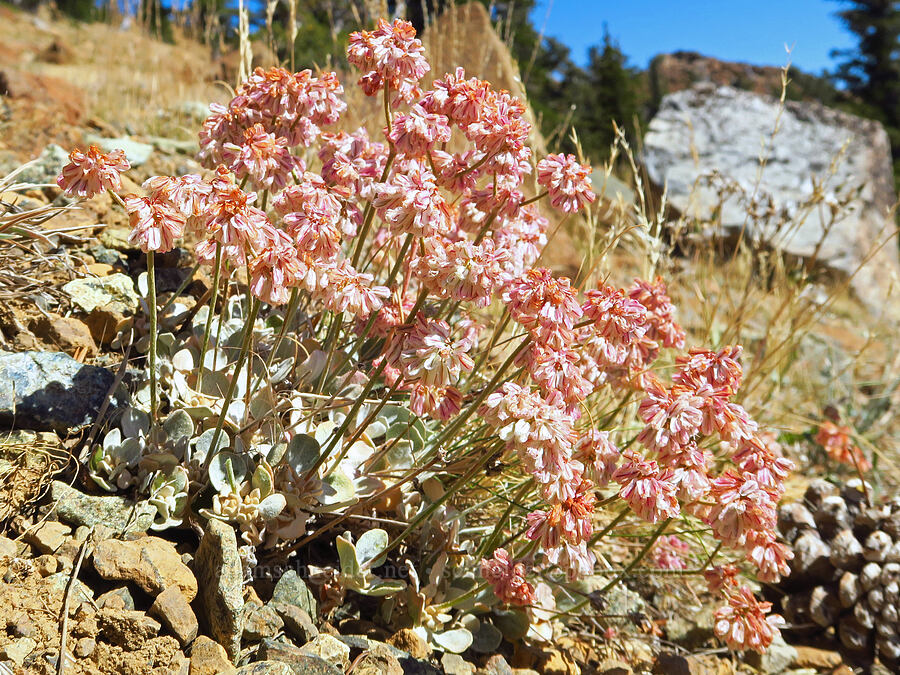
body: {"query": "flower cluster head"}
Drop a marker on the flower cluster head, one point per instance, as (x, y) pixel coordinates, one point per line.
(290, 107)
(567, 182)
(508, 579)
(89, 173)
(263, 158)
(838, 443)
(389, 56)
(745, 623)
(155, 223)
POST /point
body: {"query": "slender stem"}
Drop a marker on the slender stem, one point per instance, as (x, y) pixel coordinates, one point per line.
(232, 386)
(534, 199)
(369, 214)
(212, 308)
(400, 256)
(337, 320)
(287, 320)
(151, 305)
(338, 434)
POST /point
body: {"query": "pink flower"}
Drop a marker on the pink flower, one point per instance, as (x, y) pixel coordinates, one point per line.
(232, 221)
(649, 492)
(740, 505)
(350, 291)
(839, 445)
(263, 157)
(190, 194)
(544, 304)
(661, 323)
(389, 55)
(92, 172)
(155, 223)
(430, 356)
(459, 99)
(460, 270)
(275, 270)
(352, 161)
(770, 557)
(410, 202)
(557, 370)
(673, 417)
(501, 132)
(760, 456)
(743, 623)
(508, 579)
(567, 182)
(720, 370)
(616, 317)
(668, 553)
(721, 578)
(440, 403)
(523, 237)
(576, 559)
(598, 454)
(416, 133)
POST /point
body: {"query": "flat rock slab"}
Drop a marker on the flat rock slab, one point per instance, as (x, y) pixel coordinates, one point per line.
(220, 577)
(51, 391)
(706, 128)
(117, 513)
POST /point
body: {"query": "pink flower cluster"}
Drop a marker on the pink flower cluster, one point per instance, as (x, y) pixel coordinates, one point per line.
(89, 173)
(508, 579)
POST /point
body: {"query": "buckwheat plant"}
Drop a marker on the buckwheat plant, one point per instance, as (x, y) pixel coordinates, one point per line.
(393, 352)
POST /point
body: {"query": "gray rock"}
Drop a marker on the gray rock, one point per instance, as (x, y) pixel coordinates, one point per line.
(48, 536)
(497, 665)
(300, 662)
(217, 566)
(261, 622)
(707, 128)
(116, 598)
(119, 513)
(171, 146)
(114, 293)
(293, 590)
(18, 650)
(297, 623)
(691, 628)
(777, 658)
(51, 391)
(136, 152)
(46, 167)
(56, 583)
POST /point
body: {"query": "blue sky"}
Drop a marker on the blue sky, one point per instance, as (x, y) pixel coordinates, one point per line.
(754, 31)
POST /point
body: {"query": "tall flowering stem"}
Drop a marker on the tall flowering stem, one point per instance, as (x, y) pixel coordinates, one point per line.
(213, 299)
(232, 386)
(151, 305)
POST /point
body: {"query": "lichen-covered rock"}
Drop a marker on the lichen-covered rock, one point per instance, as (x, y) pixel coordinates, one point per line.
(220, 576)
(117, 513)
